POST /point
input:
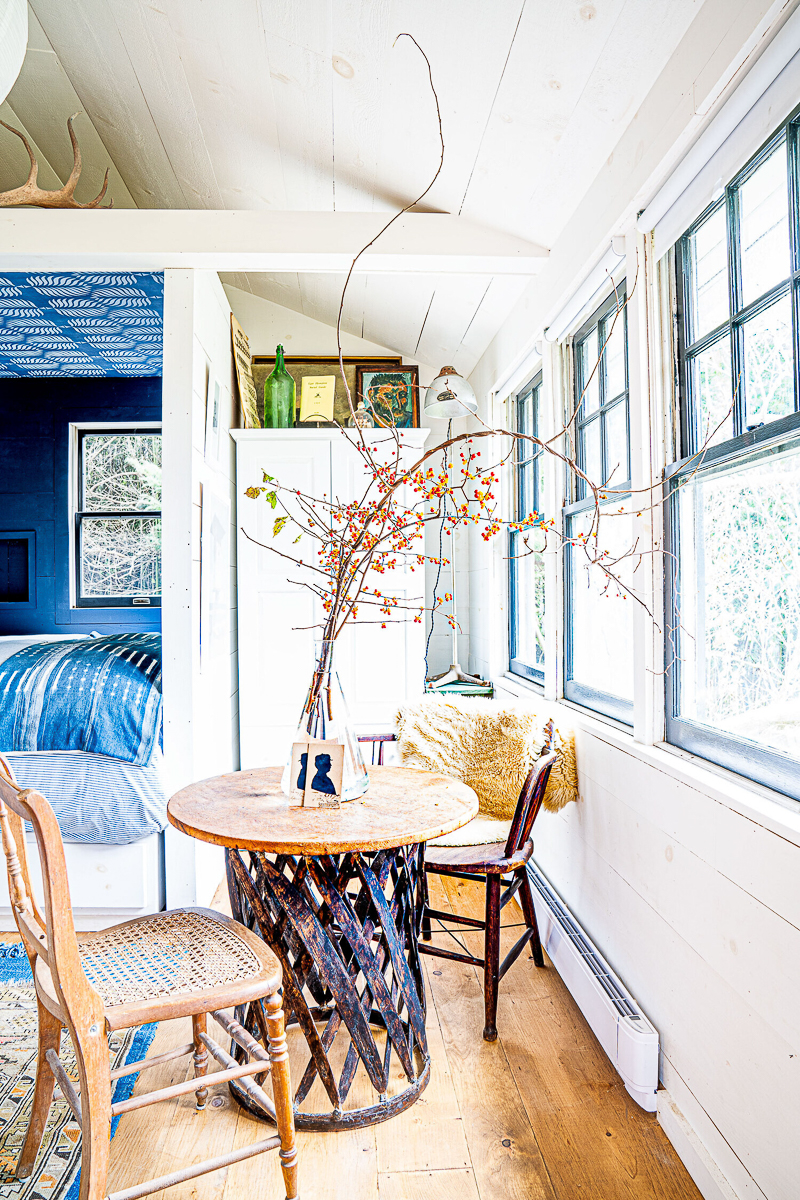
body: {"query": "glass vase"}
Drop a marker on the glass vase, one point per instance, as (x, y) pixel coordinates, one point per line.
(279, 396)
(325, 717)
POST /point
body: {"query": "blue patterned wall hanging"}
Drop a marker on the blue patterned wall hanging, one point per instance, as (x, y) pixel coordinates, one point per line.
(81, 324)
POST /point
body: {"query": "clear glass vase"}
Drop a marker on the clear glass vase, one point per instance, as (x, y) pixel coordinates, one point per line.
(326, 717)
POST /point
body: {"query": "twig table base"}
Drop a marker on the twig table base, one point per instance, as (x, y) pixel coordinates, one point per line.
(345, 930)
(338, 896)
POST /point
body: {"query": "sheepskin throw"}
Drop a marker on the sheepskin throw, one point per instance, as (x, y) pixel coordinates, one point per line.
(489, 745)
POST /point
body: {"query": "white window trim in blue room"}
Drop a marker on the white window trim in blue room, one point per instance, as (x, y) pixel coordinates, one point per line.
(76, 429)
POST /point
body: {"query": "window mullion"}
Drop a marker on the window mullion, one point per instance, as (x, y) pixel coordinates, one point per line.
(793, 151)
(735, 303)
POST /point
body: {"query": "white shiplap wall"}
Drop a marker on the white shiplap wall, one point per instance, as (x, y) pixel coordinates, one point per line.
(686, 880)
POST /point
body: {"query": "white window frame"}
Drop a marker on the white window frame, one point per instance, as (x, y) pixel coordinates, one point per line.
(76, 428)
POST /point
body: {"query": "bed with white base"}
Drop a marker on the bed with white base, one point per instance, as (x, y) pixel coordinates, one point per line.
(112, 814)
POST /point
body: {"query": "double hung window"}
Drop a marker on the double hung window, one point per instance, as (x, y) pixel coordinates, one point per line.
(599, 535)
(526, 573)
(601, 387)
(118, 518)
(733, 608)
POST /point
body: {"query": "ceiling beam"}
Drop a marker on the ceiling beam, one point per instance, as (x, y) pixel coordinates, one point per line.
(150, 240)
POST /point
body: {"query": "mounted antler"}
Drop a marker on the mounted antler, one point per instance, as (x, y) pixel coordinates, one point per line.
(31, 193)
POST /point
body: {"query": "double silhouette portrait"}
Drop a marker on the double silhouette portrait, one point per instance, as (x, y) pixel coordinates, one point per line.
(316, 771)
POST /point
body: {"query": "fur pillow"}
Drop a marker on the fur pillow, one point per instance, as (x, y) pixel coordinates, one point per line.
(489, 745)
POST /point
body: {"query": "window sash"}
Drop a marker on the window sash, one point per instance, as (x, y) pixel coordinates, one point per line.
(736, 336)
(82, 514)
(739, 314)
(527, 457)
(583, 693)
(751, 759)
(609, 398)
(527, 498)
(519, 663)
(612, 402)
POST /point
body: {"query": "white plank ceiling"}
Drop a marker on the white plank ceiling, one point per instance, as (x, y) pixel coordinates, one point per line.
(309, 104)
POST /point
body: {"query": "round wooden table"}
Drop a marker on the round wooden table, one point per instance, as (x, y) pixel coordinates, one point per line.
(338, 895)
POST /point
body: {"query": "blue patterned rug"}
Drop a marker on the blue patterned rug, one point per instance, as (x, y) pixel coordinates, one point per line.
(57, 1174)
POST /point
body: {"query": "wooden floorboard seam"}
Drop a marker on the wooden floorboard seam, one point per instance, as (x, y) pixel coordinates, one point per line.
(429, 967)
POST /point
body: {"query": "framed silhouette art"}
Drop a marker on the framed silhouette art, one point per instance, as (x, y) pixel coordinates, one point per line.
(316, 773)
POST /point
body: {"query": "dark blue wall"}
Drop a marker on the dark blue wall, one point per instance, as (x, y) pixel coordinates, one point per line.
(34, 490)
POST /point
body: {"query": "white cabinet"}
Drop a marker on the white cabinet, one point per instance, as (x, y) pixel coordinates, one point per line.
(379, 668)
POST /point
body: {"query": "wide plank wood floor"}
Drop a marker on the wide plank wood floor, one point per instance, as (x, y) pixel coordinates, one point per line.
(538, 1115)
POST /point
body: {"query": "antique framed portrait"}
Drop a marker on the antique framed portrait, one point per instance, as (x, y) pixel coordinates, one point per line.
(316, 772)
(391, 396)
(302, 367)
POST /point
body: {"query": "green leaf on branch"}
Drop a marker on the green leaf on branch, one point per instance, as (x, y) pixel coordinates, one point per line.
(297, 539)
(278, 526)
(267, 478)
(272, 498)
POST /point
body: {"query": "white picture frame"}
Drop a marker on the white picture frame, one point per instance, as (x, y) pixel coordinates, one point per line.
(213, 418)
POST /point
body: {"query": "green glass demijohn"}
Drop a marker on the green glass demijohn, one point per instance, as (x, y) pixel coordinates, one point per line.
(279, 396)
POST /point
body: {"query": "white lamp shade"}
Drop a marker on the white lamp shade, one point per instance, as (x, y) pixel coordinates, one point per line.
(450, 396)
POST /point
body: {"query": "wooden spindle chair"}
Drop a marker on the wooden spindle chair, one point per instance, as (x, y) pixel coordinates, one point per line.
(186, 962)
(490, 863)
(378, 740)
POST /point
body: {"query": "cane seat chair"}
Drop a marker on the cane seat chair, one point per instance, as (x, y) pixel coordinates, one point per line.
(502, 867)
(187, 962)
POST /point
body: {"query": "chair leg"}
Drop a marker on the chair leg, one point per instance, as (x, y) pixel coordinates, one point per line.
(491, 969)
(49, 1039)
(200, 1025)
(526, 893)
(282, 1093)
(91, 1056)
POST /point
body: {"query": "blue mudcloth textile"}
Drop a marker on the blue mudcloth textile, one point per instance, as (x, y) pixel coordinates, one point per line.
(102, 695)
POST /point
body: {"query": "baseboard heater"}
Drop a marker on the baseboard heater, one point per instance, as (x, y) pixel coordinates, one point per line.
(616, 1020)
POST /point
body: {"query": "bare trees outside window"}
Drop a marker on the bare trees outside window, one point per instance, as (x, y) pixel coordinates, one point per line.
(118, 521)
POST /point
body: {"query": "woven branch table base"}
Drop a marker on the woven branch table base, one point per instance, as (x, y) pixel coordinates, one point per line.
(345, 928)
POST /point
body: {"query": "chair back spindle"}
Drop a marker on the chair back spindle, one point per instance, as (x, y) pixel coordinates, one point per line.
(53, 937)
(531, 795)
(23, 904)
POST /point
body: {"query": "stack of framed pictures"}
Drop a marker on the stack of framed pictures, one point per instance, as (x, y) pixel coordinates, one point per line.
(389, 390)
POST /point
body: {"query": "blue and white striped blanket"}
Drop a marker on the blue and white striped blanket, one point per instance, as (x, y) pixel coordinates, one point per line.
(102, 695)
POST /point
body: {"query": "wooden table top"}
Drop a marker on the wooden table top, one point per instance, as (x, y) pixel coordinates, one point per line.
(248, 810)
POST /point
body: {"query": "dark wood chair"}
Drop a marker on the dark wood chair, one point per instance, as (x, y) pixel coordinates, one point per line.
(378, 740)
(490, 863)
(187, 962)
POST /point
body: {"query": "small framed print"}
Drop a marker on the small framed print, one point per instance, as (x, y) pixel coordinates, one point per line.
(213, 418)
(391, 396)
(317, 399)
(316, 773)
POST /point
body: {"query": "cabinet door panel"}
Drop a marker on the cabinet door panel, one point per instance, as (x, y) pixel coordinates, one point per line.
(379, 668)
(276, 645)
